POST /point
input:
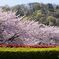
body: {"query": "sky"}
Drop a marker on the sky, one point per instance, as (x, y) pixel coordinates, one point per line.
(15, 2)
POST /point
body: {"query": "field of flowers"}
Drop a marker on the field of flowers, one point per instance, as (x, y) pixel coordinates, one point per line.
(28, 49)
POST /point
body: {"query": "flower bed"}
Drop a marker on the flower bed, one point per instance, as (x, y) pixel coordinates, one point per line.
(30, 46)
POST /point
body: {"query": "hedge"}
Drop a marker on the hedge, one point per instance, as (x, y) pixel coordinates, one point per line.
(30, 55)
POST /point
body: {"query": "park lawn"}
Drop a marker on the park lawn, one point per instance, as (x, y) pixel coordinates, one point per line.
(27, 49)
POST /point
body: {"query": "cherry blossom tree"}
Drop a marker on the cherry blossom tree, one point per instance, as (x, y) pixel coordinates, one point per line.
(14, 30)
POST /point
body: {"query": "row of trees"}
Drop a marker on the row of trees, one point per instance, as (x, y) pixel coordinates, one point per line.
(16, 31)
(47, 14)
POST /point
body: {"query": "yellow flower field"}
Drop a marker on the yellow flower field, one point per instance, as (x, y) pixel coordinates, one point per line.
(28, 49)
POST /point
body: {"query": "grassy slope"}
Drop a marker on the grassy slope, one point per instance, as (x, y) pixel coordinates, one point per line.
(28, 49)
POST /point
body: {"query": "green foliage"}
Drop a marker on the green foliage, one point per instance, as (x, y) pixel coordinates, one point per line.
(37, 12)
(35, 6)
(50, 7)
(20, 13)
(29, 53)
(57, 22)
(15, 8)
(37, 15)
(6, 8)
(51, 20)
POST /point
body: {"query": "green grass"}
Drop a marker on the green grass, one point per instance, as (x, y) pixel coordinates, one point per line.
(28, 49)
